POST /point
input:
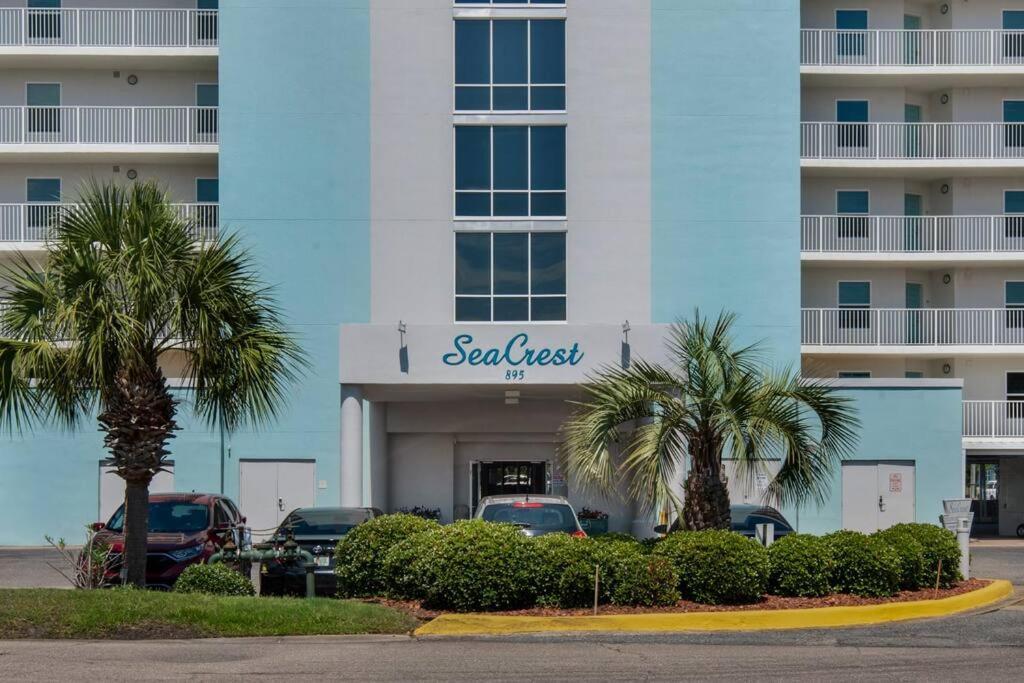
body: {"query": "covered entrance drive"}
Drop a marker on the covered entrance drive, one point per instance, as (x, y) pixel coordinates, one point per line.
(507, 478)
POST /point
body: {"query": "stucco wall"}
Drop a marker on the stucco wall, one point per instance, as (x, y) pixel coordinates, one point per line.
(178, 179)
(100, 87)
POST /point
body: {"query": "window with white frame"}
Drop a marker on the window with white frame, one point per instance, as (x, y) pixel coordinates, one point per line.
(510, 171)
(510, 65)
(854, 374)
(1015, 394)
(854, 300)
(1014, 301)
(510, 277)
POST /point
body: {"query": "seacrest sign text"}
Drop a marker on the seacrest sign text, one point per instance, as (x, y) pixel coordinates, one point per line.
(516, 352)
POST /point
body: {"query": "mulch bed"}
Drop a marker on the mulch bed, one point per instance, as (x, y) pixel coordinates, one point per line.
(768, 602)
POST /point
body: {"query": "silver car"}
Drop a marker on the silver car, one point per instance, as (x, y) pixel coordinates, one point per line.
(535, 515)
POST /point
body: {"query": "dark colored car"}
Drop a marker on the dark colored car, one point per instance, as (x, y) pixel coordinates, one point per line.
(317, 531)
(745, 518)
(535, 515)
(184, 529)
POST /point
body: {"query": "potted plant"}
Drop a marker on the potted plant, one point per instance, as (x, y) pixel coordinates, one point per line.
(594, 522)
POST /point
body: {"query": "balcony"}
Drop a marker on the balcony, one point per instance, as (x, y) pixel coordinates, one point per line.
(919, 331)
(25, 226)
(98, 131)
(934, 148)
(946, 57)
(986, 422)
(53, 36)
(912, 239)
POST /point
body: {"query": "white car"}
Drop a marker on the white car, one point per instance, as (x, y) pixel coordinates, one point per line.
(535, 515)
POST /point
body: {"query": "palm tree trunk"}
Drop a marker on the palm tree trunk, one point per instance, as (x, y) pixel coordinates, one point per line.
(136, 531)
(706, 500)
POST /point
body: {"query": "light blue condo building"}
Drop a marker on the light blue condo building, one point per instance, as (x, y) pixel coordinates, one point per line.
(466, 208)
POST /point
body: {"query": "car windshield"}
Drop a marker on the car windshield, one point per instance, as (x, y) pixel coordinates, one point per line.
(321, 522)
(537, 516)
(169, 517)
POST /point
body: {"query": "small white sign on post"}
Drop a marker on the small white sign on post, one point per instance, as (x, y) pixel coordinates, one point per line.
(765, 533)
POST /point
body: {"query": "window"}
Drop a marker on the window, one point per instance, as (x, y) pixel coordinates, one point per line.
(42, 195)
(913, 374)
(1015, 304)
(1013, 123)
(206, 21)
(852, 207)
(851, 25)
(510, 277)
(1013, 207)
(44, 21)
(207, 100)
(854, 374)
(854, 302)
(510, 171)
(1013, 43)
(510, 65)
(1015, 394)
(851, 116)
(43, 100)
(207, 196)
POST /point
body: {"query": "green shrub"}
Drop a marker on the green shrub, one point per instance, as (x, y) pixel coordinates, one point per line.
(360, 553)
(643, 580)
(564, 570)
(215, 579)
(800, 565)
(937, 544)
(863, 565)
(407, 566)
(616, 537)
(913, 571)
(715, 566)
(481, 566)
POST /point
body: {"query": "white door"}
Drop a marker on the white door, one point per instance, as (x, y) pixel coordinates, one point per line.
(112, 488)
(269, 489)
(877, 495)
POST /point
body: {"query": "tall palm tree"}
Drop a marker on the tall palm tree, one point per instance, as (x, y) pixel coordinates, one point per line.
(123, 291)
(713, 400)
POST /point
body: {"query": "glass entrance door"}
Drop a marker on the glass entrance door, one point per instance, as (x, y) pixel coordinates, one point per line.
(508, 478)
(982, 479)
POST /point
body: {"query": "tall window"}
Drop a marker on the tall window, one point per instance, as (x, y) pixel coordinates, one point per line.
(1013, 123)
(207, 101)
(42, 196)
(44, 21)
(854, 302)
(510, 171)
(1013, 207)
(510, 277)
(510, 65)
(207, 209)
(206, 21)
(851, 116)
(851, 26)
(852, 207)
(1014, 299)
(1013, 38)
(1015, 394)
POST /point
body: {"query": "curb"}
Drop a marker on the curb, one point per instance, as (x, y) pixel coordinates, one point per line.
(824, 617)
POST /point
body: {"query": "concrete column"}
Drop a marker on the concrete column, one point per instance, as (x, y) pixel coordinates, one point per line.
(378, 455)
(351, 446)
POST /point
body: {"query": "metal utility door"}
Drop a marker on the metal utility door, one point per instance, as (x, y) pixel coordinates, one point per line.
(112, 488)
(877, 495)
(269, 489)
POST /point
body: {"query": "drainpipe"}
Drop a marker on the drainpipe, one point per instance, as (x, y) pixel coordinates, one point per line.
(220, 424)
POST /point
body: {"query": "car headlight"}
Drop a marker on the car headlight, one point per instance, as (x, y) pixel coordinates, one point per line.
(186, 553)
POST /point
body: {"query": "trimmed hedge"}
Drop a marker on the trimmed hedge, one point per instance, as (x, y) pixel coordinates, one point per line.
(864, 565)
(565, 570)
(360, 553)
(643, 580)
(936, 544)
(715, 566)
(214, 579)
(800, 565)
(408, 567)
(913, 568)
(481, 566)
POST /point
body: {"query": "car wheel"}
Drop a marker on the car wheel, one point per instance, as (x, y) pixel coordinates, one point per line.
(1020, 531)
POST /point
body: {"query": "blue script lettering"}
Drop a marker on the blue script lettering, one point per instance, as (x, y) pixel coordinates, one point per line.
(516, 352)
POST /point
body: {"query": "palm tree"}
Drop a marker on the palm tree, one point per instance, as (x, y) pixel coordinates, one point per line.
(713, 400)
(124, 291)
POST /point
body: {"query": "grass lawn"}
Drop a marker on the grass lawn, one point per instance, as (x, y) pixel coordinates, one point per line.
(134, 614)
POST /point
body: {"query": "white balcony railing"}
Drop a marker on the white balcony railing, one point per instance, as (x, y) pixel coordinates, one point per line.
(994, 419)
(88, 27)
(912, 327)
(109, 125)
(911, 141)
(30, 222)
(852, 234)
(922, 48)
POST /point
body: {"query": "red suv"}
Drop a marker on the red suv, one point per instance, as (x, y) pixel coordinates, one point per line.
(184, 529)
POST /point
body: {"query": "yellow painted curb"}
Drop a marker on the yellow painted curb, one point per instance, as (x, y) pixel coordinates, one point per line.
(823, 617)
